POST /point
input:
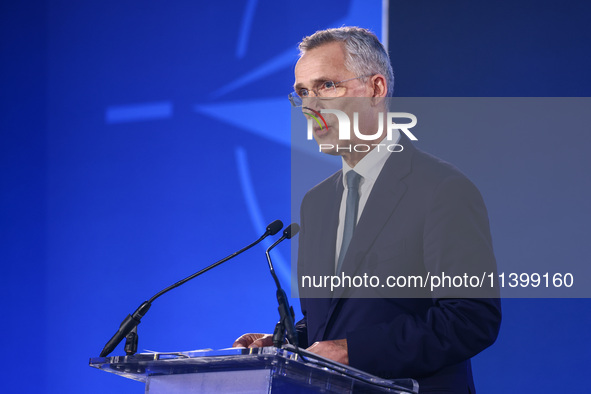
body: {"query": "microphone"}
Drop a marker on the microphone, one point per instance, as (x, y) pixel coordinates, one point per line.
(286, 315)
(272, 229)
(131, 321)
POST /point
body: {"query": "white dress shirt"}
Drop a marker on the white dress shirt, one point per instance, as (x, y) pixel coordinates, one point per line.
(369, 168)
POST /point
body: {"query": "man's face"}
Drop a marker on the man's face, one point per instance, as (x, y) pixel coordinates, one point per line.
(327, 63)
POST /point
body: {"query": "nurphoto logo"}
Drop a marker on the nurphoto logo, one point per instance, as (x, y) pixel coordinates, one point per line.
(345, 129)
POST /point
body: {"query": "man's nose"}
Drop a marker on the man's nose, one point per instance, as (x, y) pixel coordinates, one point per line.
(307, 110)
(312, 102)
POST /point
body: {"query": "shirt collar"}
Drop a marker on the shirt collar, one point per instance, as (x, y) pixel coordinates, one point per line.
(371, 165)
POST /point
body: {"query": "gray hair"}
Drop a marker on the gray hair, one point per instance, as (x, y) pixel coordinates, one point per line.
(365, 54)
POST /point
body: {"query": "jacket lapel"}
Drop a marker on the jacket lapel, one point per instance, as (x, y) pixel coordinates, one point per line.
(324, 231)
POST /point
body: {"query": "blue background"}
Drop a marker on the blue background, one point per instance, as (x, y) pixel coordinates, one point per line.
(141, 141)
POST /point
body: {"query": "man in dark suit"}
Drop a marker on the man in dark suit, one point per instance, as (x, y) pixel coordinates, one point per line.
(386, 214)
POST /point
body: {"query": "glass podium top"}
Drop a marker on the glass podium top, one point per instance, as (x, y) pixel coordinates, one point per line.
(300, 366)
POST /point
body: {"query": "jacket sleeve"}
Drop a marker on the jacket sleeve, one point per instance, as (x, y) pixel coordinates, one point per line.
(302, 331)
(456, 240)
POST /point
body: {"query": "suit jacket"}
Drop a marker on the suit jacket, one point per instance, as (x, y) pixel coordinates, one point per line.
(423, 215)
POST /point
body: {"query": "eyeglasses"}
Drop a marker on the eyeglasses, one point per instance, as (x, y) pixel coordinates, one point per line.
(326, 89)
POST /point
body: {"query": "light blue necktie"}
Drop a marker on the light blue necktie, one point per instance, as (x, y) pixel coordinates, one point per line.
(353, 179)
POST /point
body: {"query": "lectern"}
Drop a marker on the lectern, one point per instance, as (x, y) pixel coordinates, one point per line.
(239, 370)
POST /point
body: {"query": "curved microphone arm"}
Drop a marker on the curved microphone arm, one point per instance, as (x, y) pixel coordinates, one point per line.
(131, 321)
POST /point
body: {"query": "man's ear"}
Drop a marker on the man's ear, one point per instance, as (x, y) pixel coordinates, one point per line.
(380, 89)
(380, 85)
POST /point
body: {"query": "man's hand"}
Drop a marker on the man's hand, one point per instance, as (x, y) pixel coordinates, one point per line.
(254, 340)
(335, 350)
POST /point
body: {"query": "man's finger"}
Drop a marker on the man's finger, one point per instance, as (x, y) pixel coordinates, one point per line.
(265, 340)
(257, 343)
(247, 340)
(238, 343)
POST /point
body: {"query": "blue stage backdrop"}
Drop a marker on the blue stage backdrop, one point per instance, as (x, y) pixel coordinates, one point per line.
(142, 141)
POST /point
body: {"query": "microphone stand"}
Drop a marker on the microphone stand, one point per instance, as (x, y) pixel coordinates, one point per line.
(286, 314)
